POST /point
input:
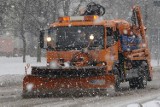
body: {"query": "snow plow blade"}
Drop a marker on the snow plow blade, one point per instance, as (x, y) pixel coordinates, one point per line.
(44, 81)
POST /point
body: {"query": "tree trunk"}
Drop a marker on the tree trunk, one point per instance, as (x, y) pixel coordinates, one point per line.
(66, 6)
(38, 53)
(23, 38)
(77, 9)
(24, 47)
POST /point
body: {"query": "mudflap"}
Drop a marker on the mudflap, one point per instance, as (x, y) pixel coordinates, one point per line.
(36, 86)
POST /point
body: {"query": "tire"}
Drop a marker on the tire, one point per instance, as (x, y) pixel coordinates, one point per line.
(142, 82)
(139, 83)
(133, 83)
(143, 76)
(117, 83)
(117, 78)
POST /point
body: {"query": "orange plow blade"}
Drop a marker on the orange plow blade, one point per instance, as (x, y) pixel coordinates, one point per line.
(37, 85)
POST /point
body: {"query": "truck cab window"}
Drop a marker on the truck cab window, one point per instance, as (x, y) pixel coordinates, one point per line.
(116, 35)
(110, 38)
(76, 37)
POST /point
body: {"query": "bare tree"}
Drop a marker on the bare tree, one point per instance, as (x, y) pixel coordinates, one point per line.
(19, 17)
(41, 15)
(77, 9)
(32, 16)
(66, 7)
(3, 13)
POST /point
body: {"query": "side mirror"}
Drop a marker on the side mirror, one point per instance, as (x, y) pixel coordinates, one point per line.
(43, 39)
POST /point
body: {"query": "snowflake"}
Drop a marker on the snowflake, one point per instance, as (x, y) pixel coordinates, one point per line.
(29, 87)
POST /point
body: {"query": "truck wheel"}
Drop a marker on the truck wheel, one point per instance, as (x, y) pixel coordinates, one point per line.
(117, 83)
(133, 83)
(142, 82)
(143, 76)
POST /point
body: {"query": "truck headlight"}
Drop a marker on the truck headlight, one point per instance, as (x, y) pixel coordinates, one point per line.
(49, 39)
(91, 37)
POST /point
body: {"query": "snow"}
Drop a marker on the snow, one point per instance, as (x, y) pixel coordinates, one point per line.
(53, 64)
(29, 87)
(66, 64)
(15, 65)
(134, 105)
(152, 103)
(58, 104)
(10, 79)
(154, 63)
(12, 71)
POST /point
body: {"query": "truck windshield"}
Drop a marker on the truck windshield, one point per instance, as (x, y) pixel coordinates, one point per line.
(77, 37)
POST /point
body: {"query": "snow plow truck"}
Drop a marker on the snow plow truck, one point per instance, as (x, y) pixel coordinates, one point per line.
(88, 53)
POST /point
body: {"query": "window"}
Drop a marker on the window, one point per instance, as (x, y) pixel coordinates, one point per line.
(112, 36)
(77, 37)
(110, 39)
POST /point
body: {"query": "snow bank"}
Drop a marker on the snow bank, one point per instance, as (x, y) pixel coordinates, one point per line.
(152, 103)
(147, 104)
(15, 65)
(134, 105)
(154, 63)
(8, 80)
(12, 69)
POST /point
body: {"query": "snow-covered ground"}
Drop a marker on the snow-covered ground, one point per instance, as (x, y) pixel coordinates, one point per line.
(12, 72)
(154, 63)
(14, 65)
(12, 69)
(152, 103)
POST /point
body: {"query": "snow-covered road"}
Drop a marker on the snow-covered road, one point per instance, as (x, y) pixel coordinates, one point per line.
(10, 96)
(11, 75)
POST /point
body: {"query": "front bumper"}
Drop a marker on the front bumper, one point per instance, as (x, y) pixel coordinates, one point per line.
(45, 80)
(51, 86)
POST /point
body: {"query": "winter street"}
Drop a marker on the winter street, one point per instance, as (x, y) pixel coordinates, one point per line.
(79, 53)
(10, 96)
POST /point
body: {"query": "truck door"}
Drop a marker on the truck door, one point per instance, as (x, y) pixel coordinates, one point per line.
(112, 43)
(112, 46)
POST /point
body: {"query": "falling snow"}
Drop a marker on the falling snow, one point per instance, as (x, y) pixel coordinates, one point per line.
(20, 25)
